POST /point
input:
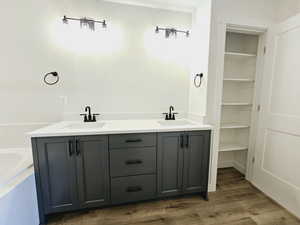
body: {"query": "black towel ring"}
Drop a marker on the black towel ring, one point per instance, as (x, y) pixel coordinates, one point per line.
(54, 74)
(200, 75)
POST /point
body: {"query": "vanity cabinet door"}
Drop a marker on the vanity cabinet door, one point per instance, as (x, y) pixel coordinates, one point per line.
(92, 170)
(57, 174)
(170, 163)
(196, 161)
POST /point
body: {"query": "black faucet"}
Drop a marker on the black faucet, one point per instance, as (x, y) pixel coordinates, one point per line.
(89, 117)
(170, 115)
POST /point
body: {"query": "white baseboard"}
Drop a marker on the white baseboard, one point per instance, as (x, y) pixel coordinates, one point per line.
(235, 164)
(239, 167)
(225, 164)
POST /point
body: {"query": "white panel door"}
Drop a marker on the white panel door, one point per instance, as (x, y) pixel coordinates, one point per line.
(277, 166)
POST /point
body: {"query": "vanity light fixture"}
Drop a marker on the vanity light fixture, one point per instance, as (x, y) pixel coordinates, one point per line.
(171, 31)
(85, 22)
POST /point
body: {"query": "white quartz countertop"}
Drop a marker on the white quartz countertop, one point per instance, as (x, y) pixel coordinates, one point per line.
(75, 128)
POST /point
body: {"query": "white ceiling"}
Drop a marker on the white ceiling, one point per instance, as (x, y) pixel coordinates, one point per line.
(177, 5)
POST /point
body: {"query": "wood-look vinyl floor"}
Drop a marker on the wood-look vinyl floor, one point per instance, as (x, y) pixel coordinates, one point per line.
(236, 202)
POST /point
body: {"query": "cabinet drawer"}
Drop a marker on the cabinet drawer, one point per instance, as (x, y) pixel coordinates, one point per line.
(133, 188)
(134, 161)
(132, 140)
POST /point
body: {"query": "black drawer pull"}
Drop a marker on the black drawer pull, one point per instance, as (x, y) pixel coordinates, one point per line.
(181, 141)
(70, 148)
(77, 147)
(133, 140)
(134, 189)
(132, 162)
(187, 141)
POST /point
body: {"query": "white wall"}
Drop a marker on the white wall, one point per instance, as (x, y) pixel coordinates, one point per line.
(286, 9)
(254, 12)
(24, 57)
(145, 73)
(127, 68)
(199, 58)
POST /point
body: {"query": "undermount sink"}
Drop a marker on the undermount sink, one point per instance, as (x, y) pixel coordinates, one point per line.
(175, 123)
(80, 126)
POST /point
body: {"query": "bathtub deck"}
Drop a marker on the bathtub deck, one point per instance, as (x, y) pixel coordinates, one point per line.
(236, 202)
(15, 166)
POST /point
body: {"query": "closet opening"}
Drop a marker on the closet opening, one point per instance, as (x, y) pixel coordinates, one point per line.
(239, 106)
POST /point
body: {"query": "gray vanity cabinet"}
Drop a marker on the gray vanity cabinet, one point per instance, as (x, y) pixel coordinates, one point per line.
(73, 172)
(57, 174)
(183, 160)
(92, 170)
(196, 162)
(170, 163)
(80, 172)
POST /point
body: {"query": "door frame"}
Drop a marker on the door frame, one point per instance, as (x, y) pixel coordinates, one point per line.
(222, 28)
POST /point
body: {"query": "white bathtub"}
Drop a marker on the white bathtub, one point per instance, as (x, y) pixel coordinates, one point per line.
(13, 163)
(18, 204)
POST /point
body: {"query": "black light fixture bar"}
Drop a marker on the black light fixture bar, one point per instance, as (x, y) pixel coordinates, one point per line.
(171, 31)
(85, 22)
